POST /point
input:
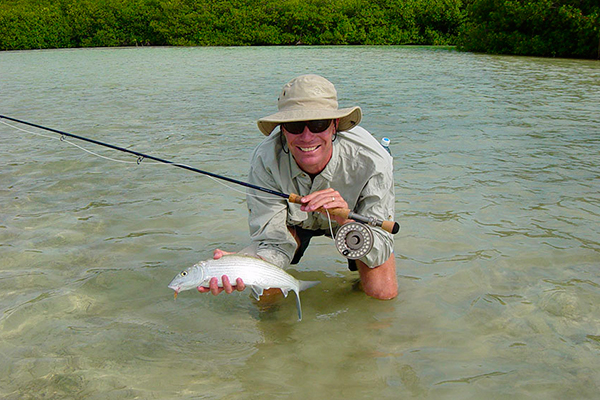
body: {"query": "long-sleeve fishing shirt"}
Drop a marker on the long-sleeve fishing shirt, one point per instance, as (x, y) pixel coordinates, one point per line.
(360, 169)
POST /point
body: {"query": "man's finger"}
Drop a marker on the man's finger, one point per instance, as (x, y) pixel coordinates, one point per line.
(240, 286)
(226, 284)
(214, 286)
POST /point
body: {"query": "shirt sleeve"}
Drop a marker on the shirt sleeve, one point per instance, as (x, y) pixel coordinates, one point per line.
(377, 199)
(267, 218)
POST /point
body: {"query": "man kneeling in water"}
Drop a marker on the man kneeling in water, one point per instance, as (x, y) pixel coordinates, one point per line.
(322, 154)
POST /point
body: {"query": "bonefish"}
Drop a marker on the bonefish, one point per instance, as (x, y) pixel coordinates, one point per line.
(256, 273)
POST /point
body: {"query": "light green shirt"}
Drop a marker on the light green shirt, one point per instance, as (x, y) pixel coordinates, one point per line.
(360, 169)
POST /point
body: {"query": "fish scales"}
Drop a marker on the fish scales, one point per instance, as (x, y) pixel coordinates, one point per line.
(251, 270)
(257, 274)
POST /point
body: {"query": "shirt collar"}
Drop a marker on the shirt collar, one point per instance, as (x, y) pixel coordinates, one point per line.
(294, 168)
(331, 167)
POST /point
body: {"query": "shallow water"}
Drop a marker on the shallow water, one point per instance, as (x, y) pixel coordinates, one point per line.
(498, 258)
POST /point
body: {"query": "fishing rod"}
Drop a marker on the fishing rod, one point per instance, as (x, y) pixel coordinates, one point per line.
(389, 226)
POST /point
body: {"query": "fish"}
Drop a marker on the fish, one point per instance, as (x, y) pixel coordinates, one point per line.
(256, 273)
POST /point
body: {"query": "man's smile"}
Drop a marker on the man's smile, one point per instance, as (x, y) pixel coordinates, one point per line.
(307, 149)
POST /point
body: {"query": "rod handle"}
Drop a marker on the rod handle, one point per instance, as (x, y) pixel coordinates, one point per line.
(389, 226)
(294, 198)
(338, 212)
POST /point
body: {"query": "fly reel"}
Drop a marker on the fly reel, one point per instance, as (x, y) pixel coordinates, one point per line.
(354, 240)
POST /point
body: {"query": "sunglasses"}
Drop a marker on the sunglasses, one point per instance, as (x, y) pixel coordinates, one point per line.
(315, 126)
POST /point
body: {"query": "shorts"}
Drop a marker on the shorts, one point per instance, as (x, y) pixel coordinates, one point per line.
(304, 236)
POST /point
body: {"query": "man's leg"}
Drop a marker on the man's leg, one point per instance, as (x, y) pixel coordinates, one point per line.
(379, 282)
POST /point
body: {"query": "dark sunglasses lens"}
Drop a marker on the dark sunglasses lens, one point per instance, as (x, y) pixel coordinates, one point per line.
(315, 126)
(318, 125)
(294, 127)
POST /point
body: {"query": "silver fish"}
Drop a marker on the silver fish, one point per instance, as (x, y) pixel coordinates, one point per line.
(256, 274)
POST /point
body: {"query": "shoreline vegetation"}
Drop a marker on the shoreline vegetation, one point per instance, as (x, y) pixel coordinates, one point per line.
(547, 28)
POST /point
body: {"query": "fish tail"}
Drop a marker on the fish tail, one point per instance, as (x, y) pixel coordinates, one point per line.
(308, 284)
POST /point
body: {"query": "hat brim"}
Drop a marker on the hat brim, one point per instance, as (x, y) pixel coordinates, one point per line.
(349, 118)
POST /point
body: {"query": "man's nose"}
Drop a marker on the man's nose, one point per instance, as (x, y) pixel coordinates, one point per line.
(307, 133)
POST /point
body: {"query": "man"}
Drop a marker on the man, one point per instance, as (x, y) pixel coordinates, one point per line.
(322, 154)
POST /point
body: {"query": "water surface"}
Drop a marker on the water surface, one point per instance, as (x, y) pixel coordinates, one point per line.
(496, 175)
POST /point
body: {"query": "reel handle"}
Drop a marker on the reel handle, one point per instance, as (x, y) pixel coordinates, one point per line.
(389, 226)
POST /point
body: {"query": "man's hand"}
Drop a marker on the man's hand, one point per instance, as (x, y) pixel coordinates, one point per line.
(326, 199)
(227, 286)
(218, 253)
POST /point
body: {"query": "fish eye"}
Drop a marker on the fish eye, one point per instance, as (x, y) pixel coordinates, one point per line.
(184, 273)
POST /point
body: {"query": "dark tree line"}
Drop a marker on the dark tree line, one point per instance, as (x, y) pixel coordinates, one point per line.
(555, 28)
(535, 27)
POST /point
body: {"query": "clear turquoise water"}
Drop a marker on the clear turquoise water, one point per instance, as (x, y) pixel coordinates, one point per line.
(497, 181)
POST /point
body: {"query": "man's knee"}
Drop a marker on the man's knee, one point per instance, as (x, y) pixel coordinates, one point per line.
(379, 282)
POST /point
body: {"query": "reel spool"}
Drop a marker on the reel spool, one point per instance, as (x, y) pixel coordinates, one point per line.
(354, 240)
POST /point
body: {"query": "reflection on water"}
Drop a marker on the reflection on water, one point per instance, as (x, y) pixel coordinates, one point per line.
(496, 179)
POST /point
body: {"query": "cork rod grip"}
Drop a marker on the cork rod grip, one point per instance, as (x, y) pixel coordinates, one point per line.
(389, 226)
(294, 198)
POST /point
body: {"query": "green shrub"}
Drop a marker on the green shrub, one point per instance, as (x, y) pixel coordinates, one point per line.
(555, 28)
(558, 28)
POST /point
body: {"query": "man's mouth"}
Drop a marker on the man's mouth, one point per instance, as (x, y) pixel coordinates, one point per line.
(307, 149)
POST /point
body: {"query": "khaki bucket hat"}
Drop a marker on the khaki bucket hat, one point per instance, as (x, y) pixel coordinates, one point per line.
(306, 98)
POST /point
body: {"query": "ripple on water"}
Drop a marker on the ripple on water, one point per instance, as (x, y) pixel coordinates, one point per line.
(496, 177)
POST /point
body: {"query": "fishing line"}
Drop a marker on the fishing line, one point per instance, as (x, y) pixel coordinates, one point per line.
(329, 219)
(138, 162)
(73, 144)
(387, 225)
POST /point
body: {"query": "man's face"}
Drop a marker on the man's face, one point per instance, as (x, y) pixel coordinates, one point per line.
(312, 151)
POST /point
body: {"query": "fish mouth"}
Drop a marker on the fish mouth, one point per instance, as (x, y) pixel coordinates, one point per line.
(177, 289)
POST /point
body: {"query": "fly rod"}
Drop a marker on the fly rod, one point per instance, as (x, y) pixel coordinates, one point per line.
(389, 226)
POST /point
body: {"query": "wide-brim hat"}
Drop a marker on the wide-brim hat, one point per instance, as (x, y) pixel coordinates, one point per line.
(306, 98)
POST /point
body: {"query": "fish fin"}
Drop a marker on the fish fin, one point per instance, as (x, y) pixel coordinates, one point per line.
(308, 284)
(298, 305)
(257, 291)
(284, 291)
(303, 286)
